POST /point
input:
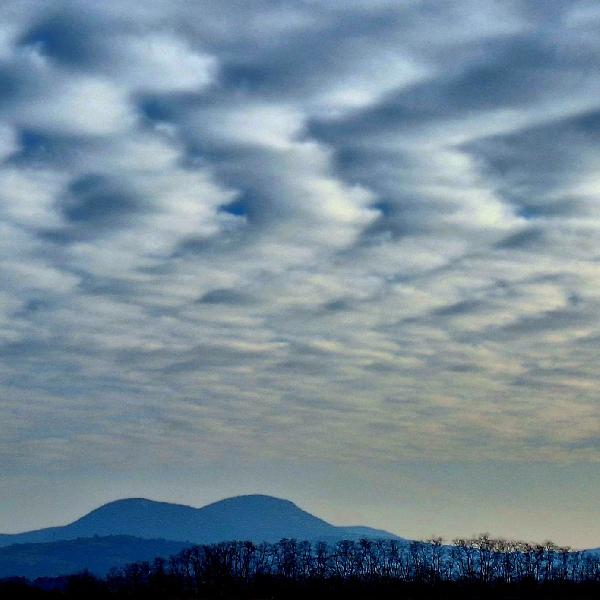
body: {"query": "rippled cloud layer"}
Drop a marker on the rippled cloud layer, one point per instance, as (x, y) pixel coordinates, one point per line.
(360, 230)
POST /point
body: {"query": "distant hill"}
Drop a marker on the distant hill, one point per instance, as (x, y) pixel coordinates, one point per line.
(255, 517)
(97, 555)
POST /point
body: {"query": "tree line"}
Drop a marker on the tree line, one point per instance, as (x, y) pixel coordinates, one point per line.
(482, 558)
(292, 568)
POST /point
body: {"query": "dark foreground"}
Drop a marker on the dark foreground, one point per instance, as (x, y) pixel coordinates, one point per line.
(86, 587)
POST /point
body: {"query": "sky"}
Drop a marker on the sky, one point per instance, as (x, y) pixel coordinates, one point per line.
(346, 253)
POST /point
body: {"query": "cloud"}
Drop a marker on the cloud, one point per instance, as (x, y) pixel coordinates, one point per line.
(276, 228)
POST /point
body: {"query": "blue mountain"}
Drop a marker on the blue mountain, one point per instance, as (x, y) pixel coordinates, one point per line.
(254, 517)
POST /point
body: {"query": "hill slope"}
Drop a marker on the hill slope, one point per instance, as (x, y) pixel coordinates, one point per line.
(255, 517)
(97, 555)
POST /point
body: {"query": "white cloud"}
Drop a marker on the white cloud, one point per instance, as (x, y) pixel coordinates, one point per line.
(161, 62)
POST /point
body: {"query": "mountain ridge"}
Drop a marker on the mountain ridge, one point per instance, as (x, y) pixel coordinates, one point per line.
(255, 517)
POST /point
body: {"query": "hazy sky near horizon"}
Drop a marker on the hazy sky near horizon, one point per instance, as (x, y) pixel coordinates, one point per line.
(345, 252)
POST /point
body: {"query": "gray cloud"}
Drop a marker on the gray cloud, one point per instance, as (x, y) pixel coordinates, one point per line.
(288, 226)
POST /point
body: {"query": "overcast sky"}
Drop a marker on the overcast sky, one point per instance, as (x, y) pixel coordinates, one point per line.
(345, 252)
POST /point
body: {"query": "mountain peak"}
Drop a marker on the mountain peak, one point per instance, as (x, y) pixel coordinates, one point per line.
(257, 500)
(126, 502)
